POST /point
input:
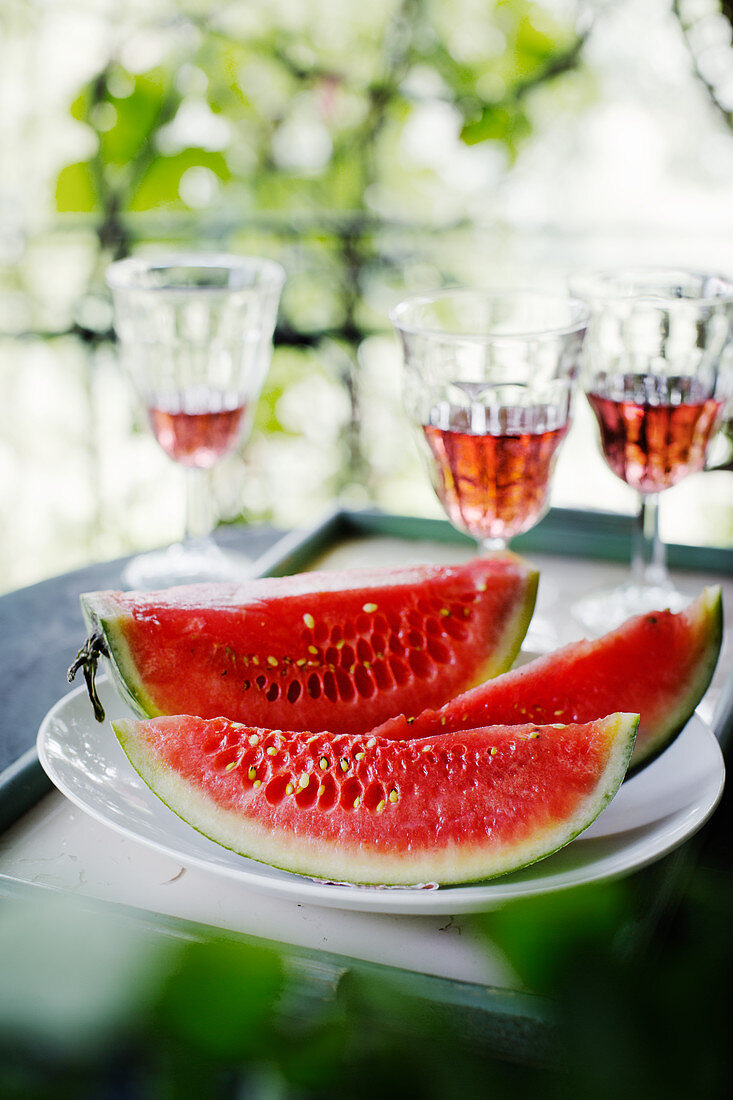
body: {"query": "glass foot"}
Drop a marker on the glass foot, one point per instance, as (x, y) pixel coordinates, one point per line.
(606, 609)
(184, 563)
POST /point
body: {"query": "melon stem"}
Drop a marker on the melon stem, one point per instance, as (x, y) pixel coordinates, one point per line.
(86, 659)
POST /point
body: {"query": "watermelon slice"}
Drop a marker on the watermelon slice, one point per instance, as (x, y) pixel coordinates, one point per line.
(451, 808)
(657, 664)
(338, 651)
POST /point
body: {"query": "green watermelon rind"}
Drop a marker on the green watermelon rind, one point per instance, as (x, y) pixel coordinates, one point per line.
(101, 612)
(515, 629)
(336, 862)
(709, 613)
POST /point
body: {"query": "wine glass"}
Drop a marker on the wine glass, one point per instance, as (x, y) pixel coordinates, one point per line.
(656, 374)
(195, 336)
(488, 383)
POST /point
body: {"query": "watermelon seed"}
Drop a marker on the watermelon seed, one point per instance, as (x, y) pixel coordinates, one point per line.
(304, 779)
(252, 773)
(369, 608)
(289, 789)
(380, 806)
(359, 756)
(272, 661)
(254, 739)
(393, 796)
(340, 643)
(445, 612)
(321, 789)
(357, 803)
(344, 764)
(312, 649)
(257, 783)
(494, 751)
(234, 763)
(309, 621)
(300, 662)
(271, 750)
(371, 742)
(323, 763)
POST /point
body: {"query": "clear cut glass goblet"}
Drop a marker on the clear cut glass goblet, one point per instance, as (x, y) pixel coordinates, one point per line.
(488, 384)
(195, 337)
(657, 374)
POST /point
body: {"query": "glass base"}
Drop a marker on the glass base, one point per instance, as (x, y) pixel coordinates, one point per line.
(607, 608)
(185, 563)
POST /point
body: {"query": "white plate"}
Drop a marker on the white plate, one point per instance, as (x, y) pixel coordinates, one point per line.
(652, 814)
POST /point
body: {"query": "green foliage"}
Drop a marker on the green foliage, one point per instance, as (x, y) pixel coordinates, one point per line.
(633, 1008)
(546, 937)
(160, 186)
(303, 121)
(76, 189)
(298, 118)
(242, 981)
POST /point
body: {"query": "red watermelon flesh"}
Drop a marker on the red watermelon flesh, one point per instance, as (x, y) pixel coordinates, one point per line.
(451, 808)
(325, 650)
(658, 665)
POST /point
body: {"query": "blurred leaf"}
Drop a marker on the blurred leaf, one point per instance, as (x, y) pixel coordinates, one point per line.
(76, 190)
(313, 1060)
(532, 48)
(81, 106)
(542, 937)
(138, 115)
(224, 59)
(161, 182)
(508, 125)
(221, 997)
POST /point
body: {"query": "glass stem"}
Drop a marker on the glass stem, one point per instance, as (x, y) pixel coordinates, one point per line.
(487, 547)
(648, 558)
(199, 505)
